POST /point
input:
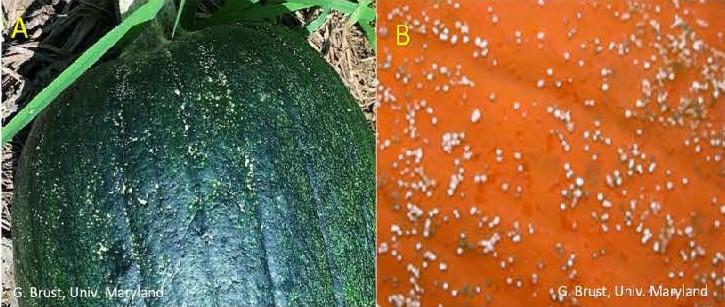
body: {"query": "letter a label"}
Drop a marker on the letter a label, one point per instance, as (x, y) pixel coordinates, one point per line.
(19, 28)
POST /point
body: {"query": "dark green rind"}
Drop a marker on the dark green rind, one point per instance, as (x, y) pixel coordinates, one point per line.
(253, 186)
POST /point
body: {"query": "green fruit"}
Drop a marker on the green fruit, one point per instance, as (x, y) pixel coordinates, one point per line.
(230, 167)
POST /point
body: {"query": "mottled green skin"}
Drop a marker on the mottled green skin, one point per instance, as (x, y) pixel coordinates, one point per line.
(229, 168)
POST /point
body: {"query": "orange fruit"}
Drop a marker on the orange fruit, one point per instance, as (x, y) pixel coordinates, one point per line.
(525, 147)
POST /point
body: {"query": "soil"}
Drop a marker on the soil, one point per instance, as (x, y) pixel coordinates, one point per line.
(30, 64)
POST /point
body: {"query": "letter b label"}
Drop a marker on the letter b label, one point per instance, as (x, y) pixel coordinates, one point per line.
(402, 37)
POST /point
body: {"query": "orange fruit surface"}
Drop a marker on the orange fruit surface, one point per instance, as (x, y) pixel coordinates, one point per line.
(525, 147)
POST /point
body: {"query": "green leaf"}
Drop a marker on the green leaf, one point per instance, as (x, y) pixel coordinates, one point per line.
(344, 6)
(370, 33)
(234, 10)
(355, 16)
(143, 14)
(364, 18)
(318, 22)
(182, 3)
